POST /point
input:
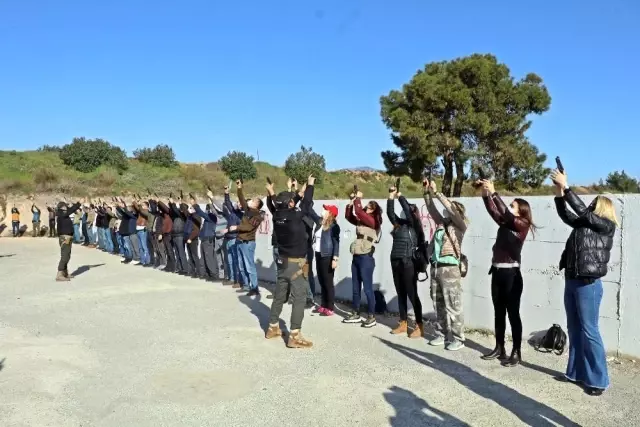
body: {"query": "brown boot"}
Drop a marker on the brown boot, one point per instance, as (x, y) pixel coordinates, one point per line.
(296, 340)
(236, 286)
(273, 332)
(417, 331)
(67, 275)
(61, 277)
(401, 328)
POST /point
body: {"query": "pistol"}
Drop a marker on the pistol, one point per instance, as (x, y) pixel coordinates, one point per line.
(209, 188)
(171, 195)
(355, 189)
(192, 196)
(559, 165)
(269, 181)
(241, 179)
(397, 184)
(482, 174)
(181, 195)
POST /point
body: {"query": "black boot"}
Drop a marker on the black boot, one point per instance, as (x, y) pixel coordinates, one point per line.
(497, 353)
(514, 360)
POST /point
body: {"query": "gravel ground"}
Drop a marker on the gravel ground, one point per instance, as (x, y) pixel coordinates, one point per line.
(125, 346)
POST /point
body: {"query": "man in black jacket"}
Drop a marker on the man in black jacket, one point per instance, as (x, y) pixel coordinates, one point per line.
(65, 238)
(291, 239)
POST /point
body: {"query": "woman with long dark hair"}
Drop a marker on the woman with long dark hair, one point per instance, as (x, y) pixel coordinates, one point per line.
(368, 221)
(408, 236)
(584, 262)
(514, 223)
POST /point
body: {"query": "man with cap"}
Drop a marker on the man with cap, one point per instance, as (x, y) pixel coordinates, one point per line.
(65, 237)
(291, 240)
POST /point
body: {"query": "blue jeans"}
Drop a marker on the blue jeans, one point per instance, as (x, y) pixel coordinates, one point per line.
(247, 253)
(362, 268)
(145, 257)
(128, 247)
(232, 260)
(76, 233)
(15, 226)
(100, 238)
(120, 240)
(108, 240)
(91, 234)
(587, 357)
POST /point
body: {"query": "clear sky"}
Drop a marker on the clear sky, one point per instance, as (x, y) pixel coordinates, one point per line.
(268, 76)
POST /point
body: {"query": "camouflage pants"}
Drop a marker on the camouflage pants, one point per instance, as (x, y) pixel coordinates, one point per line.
(446, 293)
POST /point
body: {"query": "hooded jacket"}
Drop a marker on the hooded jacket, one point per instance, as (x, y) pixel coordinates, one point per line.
(64, 223)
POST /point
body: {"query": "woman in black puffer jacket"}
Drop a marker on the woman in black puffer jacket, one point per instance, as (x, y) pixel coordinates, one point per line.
(408, 236)
(584, 261)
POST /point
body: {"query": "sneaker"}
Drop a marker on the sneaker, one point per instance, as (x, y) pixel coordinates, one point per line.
(273, 332)
(437, 341)
(296, 340)
(253, 293)
(327, 313)
(236, 286)
(135, 262)
(123, 259)
(353, 318)
(455, 345)
(318, 310)
(370, 321)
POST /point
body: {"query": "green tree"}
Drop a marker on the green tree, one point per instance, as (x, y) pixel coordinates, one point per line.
(86, 155)
(237, 164)
(49, 149)
(460, 110)
(623, 183)
(160, 155)
(304, 163)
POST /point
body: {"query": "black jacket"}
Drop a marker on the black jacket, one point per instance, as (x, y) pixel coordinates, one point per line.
(65, 225)
(290, 229)
(588, 248)
(179, 217)
(407, 232)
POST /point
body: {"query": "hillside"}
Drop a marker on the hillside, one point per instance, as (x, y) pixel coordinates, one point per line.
(34, 172)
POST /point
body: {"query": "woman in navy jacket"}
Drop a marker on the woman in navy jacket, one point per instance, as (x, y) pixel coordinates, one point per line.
(326, 245)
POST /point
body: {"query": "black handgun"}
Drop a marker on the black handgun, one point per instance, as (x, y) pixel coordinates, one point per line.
(181, 195)
(355, 189)
(482, 174)
(397, 184)
(171, 195)
(559, 165)
(269, 181)
(241, 179)
(192, 196)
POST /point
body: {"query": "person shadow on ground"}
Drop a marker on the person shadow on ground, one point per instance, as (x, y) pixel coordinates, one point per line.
(528, 410)
(85, 268)
(413, 411)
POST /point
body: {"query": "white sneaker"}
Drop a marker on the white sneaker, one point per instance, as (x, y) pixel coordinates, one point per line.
(136, 263)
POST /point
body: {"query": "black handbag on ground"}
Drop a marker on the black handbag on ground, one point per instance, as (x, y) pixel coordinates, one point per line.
(554, 340)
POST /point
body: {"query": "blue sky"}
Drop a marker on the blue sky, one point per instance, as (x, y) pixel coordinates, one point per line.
(266, 76)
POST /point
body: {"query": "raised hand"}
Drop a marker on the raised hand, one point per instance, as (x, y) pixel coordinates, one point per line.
(559, 178)
(311, 180)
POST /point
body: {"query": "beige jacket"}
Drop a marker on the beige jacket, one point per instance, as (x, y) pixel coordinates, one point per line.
(456, 226)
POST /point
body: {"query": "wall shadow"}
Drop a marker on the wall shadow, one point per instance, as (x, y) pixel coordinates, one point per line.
(483, 350)
(410, 411)
(83, 269)
(528, 410)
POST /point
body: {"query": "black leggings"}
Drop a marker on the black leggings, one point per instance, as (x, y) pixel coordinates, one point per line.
(506, 290)
(405, 279)
(325, 277)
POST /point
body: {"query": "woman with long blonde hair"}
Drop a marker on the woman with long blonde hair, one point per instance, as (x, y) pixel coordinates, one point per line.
(326, 245)
(584, 261)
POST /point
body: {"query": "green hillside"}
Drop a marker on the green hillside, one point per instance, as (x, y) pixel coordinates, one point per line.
(36, 172)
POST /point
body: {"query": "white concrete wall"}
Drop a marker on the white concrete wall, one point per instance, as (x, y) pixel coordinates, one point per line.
(542, 300)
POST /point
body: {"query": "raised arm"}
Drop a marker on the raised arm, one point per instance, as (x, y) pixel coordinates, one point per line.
(163, 208)
(362, 216)
(455, 216)
(307, 202)
(174, 210)
(270, 204)
(391, 214)
(349, 216)
(491, 207)
(404, 204)
(243, 201)
(202, 214)
(434, 213)
(575, 202)
(509, 220)
(567, 217)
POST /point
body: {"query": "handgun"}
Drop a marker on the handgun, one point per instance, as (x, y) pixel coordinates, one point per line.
(181, 195)
(241, 179)
(482, 175)
(355, 189)
(209, 188)
(397, 184)
(171, 195)
(192, 196)
(559, 165)
(269, 181)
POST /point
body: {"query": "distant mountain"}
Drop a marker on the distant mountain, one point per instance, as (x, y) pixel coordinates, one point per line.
(360, 169)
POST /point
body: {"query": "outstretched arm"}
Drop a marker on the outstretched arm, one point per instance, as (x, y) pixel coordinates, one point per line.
(391, 214)
(362, 216)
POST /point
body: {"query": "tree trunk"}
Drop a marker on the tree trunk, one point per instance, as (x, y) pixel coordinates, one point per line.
(447, 179)
(457, 189)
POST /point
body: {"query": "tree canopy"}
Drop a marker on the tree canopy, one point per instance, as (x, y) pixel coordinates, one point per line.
(466, 110)
(304, 163)
(622, 183)
(86, 155)
(161, 155)
(238, 165)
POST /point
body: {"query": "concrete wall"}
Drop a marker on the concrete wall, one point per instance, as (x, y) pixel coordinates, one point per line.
(542, 300)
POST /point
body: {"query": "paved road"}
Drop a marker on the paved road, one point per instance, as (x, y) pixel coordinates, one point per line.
(125, 346)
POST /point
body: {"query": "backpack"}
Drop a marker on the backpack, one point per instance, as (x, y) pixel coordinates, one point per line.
(419, 256)
(554, 340)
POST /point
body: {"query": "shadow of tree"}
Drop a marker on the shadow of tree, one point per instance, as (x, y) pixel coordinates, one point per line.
(528, 410)
(414, 411)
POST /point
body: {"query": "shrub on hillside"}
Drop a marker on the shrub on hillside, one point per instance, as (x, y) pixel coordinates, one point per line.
(161, 155)
(86, 155)
(45, 176)
(238, 165)
(49, 149)
(304, 163)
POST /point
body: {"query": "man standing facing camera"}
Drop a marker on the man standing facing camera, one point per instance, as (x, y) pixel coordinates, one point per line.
(291, 240)
(65, 237)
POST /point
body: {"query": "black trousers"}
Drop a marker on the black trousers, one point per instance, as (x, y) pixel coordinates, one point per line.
(405, 280)
(325, 277)
(208, 248)
(65, 252)
(159, 249)
(194, 258)
(52, 228)
(506, 291)
(167, 240)
(85, 234)
(182, 265)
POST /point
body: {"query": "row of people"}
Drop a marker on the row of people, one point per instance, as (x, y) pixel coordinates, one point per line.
(298, 231)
